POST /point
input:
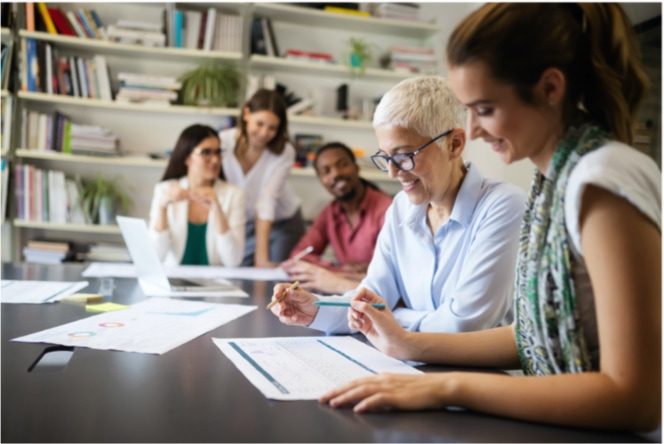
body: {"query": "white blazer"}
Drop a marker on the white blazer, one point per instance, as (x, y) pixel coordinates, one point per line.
(222, 249)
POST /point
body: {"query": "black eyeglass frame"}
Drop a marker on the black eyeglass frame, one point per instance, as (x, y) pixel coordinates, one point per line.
(410, 155)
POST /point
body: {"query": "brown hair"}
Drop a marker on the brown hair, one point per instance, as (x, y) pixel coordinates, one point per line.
(593, 44)
(188, 140)
(266, 100)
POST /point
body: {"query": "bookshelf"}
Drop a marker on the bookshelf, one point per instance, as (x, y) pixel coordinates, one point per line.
(258, 61)
(146, 129)
(316, 18)
(107, 47)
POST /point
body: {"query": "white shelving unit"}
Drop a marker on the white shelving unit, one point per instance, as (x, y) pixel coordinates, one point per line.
(147, 129)
(317, 19)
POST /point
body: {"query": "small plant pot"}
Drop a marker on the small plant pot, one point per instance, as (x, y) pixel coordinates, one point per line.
(106, 211)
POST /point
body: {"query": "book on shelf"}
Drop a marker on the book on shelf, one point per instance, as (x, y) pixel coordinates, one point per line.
(258, 42)
(152, 39)
(306, 146)
(309, 56)
(46, 17)
(4, 174)
(346, 11)
(401, 11)
(210, 24)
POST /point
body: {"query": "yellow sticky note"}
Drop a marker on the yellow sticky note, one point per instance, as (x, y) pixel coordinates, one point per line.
(101, 308)
(82, 298)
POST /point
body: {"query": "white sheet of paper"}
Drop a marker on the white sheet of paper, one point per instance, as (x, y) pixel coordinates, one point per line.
(297, 368)
(155, 326)
(150, 289)
(37, 292)
(125, 270)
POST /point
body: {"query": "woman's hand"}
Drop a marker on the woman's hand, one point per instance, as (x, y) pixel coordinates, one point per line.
(317, 278)
(173, 194)
(390, 391)
(379, 326)
(205, 196)
(295, 307)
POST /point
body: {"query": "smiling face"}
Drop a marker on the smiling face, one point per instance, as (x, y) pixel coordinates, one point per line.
(435, 173)
(338, 173)
(262, 126)
(496, 114)
(204, 162)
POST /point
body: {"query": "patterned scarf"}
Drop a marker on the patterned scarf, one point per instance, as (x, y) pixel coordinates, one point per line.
(549, 334)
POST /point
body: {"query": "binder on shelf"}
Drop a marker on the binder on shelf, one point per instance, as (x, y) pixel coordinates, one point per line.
(209, 28)
(258, 44)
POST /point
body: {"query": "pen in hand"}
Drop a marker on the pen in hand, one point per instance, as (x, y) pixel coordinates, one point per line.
(302, 253)
(280, 298)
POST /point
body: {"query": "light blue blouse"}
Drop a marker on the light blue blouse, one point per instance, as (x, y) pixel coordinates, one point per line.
(459, 279)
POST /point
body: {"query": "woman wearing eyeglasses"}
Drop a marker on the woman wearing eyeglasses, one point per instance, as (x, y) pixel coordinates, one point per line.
(196, 218)
(258, 158)
(445, 256)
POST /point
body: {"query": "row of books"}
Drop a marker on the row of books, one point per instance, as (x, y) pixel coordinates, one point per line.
(80, 22)
(47, 196)
(56, 132)
(210, 30)
(42, 70)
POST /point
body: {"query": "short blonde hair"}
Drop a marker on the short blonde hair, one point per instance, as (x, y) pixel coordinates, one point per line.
(424, 104)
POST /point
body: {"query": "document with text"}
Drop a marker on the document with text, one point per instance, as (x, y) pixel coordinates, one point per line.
(155, 325)
(124, 270)
(38, 292)
(299, 368)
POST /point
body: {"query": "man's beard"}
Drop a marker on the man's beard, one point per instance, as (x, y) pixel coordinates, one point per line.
(349, 196)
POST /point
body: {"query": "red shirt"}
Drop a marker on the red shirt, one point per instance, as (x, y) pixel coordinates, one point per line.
(351, 245)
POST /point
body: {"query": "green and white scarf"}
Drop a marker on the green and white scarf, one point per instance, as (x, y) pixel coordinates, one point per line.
(549, 334)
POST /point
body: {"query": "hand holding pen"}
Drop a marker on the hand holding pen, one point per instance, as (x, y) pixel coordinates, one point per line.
(293, 305)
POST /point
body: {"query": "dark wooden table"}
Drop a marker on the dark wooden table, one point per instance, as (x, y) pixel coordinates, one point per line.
(195, 394)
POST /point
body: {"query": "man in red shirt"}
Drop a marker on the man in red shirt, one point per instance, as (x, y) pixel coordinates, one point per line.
(349, 224)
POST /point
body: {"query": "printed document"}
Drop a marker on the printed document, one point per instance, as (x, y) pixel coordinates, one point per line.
(155, 325)
(101, 269)
(37, 292)
(297, 368)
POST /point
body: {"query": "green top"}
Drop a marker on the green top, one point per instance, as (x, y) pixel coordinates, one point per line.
(195, 252)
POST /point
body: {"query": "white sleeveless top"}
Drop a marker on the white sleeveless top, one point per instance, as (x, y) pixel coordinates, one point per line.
(627, 173)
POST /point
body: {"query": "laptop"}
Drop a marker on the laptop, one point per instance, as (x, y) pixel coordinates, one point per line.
(150, 269)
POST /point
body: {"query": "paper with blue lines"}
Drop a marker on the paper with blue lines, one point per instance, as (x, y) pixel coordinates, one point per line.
(298, 368)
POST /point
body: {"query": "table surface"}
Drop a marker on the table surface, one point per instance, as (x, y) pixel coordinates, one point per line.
(195, 394)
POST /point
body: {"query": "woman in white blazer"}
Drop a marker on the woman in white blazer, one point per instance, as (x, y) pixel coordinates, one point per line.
(196, 218)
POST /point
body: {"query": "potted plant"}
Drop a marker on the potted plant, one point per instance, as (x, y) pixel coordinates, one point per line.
(360, 55)
(100, 199)
(211, 84)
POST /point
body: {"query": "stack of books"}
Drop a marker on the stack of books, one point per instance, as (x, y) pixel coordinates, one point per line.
(136, 32)
(56, 132)
(140, 88)
(399, 11)
(317, 57)
(102, 252)
(46, 252)
(92, 139)
(414, 59)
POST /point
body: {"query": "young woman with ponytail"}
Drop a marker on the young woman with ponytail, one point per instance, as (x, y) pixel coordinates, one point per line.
(558, 84)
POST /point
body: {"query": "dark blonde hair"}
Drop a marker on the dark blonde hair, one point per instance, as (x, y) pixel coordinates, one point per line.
(267, 100)
(593, 44)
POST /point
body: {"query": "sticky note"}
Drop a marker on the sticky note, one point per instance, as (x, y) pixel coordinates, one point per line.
(102, 308)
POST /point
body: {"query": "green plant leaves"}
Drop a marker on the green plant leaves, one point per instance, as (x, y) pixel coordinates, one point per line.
(211, 84)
